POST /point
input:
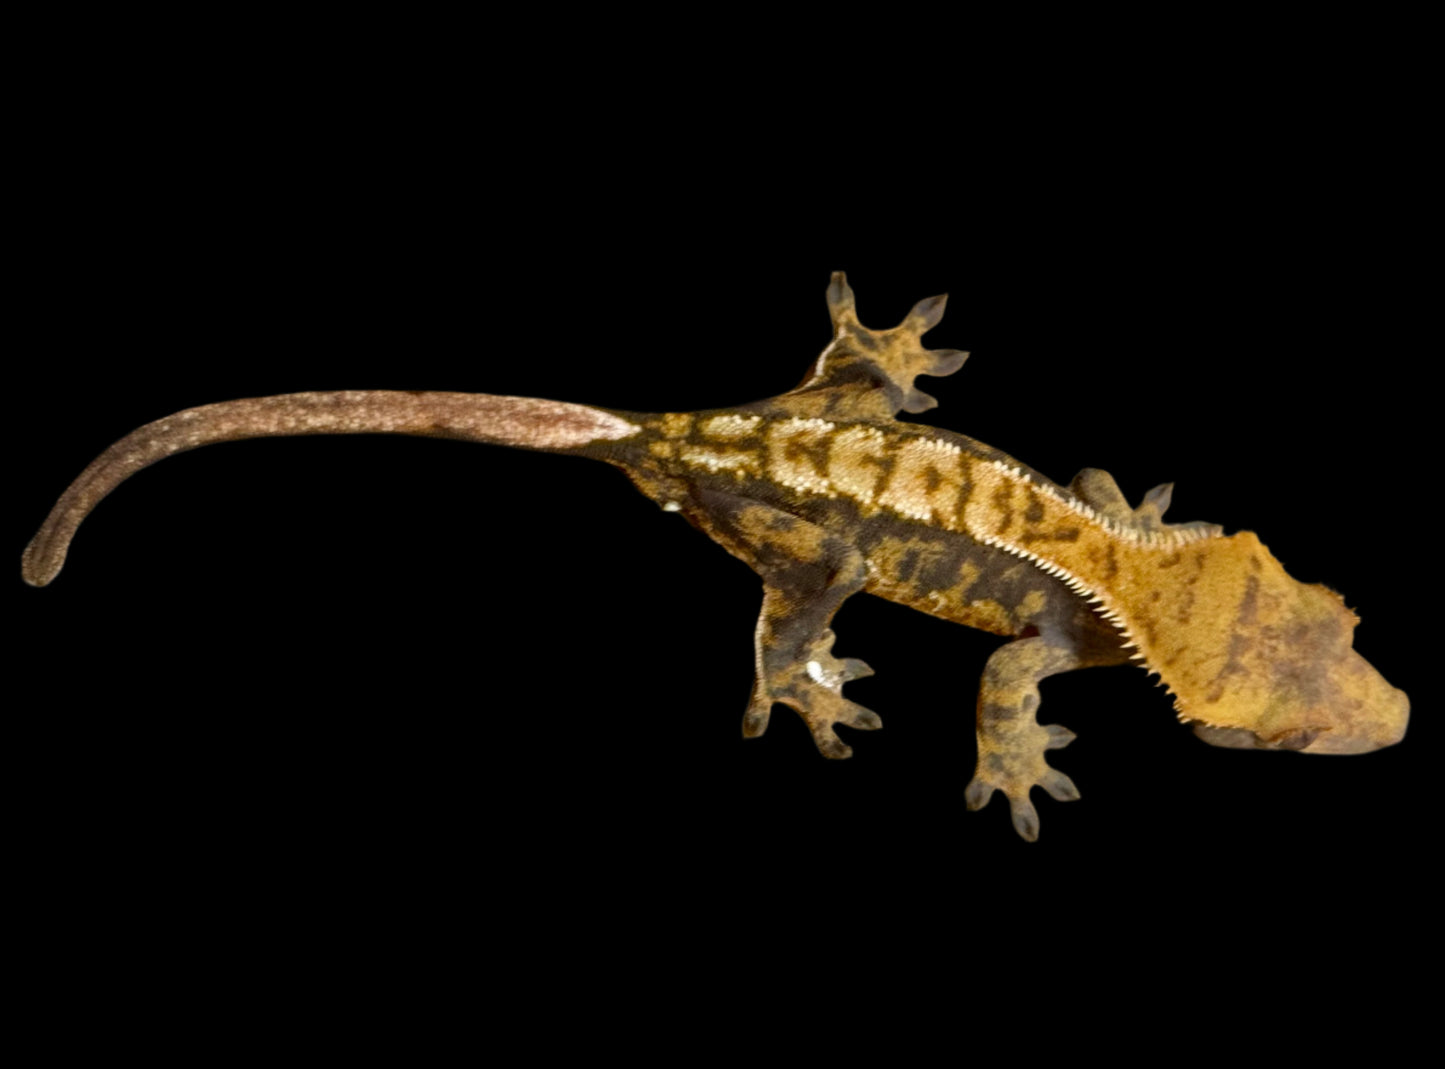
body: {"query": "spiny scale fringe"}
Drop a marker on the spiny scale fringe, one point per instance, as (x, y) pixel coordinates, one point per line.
(1169, 537)
(1163, 539)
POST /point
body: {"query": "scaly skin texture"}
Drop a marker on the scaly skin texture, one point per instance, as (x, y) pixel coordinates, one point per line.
(824, 494)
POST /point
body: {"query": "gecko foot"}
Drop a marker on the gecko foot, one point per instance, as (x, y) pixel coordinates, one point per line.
(1012, 744)
(822, 711)
(821, 708)
(1018, 770)
(812, 684)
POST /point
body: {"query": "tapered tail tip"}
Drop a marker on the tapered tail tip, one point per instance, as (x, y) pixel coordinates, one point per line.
(37, 567)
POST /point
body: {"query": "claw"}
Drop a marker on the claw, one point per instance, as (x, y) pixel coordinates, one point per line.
(853, 668)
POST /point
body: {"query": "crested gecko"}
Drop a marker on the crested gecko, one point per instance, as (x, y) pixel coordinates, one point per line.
(824, 494)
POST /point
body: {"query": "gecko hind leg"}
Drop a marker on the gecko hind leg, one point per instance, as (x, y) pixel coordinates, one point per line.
(1011, 742)
(807, 572)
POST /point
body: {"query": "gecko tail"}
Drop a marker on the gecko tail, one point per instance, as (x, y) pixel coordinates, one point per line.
(522, 422)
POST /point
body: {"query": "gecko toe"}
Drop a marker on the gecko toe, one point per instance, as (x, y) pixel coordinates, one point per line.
(853, 668)
(1059, 736)
(1025, 818)
(946, 361)
(977, 793)
(755, 721)
(821, 723)
(1059, 786)
(861, 717)
(997, 772)
(830, 746)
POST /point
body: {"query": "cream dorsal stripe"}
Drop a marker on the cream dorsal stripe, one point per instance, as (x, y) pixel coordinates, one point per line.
(940, 463)
(1164, 538)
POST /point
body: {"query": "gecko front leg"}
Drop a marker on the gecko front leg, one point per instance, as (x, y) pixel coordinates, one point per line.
(808, 572)
(1011, 742)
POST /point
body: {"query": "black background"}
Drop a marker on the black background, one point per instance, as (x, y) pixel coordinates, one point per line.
(414, 686)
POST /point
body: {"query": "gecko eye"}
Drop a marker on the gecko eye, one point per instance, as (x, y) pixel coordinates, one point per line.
(1297, 740)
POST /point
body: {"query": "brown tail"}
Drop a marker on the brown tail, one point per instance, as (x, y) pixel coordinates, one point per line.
(524, 422)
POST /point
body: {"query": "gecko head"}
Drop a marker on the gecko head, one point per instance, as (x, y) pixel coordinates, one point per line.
(1366, 713)
(1314, 693)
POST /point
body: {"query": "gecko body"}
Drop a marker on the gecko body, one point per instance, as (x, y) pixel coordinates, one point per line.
(824, 494)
